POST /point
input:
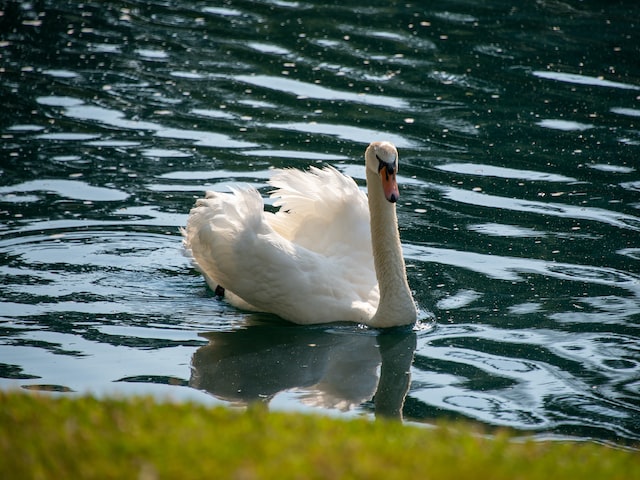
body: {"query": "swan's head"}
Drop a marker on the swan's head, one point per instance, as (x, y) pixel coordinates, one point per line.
(382, 158)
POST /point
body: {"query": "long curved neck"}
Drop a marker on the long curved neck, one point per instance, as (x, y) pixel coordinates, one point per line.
(396, 305)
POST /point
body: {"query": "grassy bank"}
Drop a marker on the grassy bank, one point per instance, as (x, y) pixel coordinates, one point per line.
(45, 437)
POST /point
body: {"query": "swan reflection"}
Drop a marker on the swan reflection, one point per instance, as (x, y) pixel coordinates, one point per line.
(332, 367)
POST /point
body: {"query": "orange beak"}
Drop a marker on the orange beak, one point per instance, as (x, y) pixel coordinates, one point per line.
(389, 183)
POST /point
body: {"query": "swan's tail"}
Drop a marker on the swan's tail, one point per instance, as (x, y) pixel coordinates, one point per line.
(214, 224)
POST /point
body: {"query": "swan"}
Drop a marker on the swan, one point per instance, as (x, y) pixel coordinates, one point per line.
(330, 253)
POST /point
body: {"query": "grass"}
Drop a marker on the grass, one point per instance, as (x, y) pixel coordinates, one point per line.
(70, 437)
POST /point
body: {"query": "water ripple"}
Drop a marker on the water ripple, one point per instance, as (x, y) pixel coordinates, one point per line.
(484, 200)
(308, 90)
(73, 189)
(583, 80)
(345, 132)
(115, 118)
(502, 172)
(515, 269)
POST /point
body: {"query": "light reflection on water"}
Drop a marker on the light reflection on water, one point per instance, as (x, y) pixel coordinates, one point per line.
(519, 208)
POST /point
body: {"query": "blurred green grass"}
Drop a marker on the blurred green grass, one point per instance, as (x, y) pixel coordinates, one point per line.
(45, 437)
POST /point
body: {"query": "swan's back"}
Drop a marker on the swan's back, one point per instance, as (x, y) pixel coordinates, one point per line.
(310, 262)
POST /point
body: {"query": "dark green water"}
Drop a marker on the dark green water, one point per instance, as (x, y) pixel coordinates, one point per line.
(519, 136)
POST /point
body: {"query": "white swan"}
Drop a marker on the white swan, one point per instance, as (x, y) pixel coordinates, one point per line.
(325, 256)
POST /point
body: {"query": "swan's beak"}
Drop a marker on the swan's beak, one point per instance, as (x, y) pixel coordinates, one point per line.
(389, 184)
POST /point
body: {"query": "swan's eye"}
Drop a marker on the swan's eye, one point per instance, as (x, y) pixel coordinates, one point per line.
(390, 167)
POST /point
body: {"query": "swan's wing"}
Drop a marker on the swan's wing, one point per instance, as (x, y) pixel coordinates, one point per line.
(233, 244)
(322, 210)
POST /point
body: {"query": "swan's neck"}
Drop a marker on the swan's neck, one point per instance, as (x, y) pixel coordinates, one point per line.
(396, 305)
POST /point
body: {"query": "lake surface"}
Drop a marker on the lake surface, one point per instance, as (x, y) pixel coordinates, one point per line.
(519, 135)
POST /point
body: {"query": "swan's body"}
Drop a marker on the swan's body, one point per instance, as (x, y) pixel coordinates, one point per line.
(329, 254)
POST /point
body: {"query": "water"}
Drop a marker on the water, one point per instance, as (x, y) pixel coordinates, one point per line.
(518, 130)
